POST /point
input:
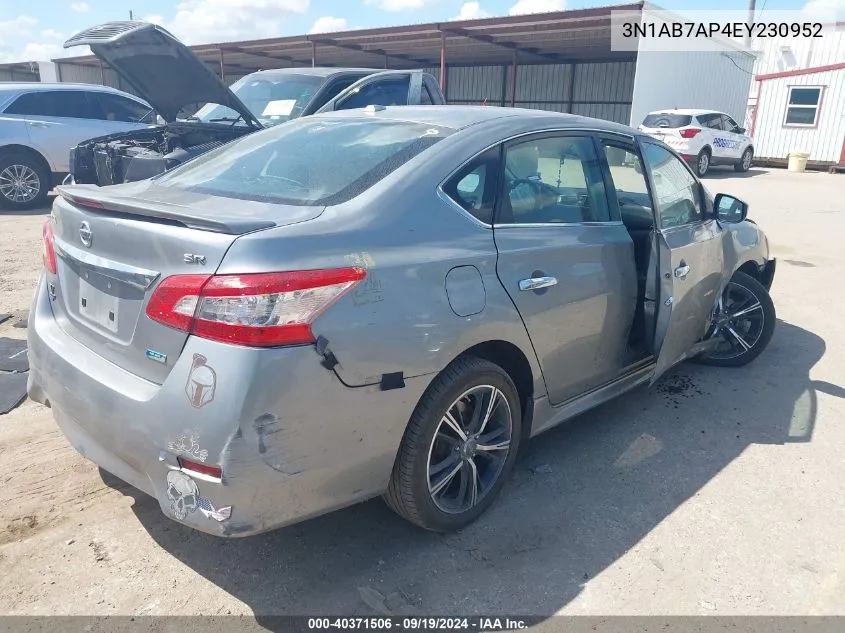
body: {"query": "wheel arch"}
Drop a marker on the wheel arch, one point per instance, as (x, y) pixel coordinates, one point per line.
(14, 148)
(516, 364)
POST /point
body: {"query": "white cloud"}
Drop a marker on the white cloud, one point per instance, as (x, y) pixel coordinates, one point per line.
(399, 5)
(327, 24)
(471, 11)
(14, 46)
(208, 21)
(536, 6)
(21, 25)
(81, 7)
(826, 9)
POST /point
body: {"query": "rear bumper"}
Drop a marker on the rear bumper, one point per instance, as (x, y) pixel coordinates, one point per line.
(291, 439)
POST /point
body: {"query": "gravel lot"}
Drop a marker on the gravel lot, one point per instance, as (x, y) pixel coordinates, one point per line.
(715, 492)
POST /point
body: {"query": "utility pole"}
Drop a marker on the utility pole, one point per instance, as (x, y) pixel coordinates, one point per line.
(130, 15)
(751, 6)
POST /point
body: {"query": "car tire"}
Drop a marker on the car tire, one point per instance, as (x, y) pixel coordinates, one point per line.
(745, 160)
(702, 162)
(24, 181)
(746, 334)
(421, 488)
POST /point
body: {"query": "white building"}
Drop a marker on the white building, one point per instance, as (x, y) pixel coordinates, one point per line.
(797, 101)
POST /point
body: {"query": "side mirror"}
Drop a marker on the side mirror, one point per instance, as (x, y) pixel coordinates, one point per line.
(729, 209)
(740, 130)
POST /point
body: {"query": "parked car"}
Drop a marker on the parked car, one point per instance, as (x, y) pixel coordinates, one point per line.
(385, 301)
(171, 77)
(702, 137)
(40, 122)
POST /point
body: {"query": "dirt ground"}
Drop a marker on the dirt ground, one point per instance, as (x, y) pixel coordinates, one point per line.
(715, 492)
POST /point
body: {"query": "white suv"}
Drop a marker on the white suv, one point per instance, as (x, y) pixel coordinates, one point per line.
(40, 123)
(702, 137)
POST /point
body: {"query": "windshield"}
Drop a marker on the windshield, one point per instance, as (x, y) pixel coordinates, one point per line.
(665, 119)
(308, 162)
(272, 100)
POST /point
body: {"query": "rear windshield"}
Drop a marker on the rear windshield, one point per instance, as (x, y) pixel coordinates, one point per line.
(308, 161)
(272, 99)
(667, 120)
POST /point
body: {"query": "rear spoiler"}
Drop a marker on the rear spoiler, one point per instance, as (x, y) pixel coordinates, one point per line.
(92, 197)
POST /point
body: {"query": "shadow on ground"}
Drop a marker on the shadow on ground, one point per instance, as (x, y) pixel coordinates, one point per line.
(603, 483)
(727, 172)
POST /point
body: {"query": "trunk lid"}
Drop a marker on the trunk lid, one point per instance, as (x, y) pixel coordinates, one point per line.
(164, 71)
(112, 252)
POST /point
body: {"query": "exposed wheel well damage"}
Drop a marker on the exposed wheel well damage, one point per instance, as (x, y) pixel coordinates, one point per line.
(10, 150)
(751, 269)
(510, 358)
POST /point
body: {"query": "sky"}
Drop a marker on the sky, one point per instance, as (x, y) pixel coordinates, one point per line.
(34, 31)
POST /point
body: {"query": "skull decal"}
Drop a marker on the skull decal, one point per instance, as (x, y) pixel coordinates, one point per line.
(182, 492)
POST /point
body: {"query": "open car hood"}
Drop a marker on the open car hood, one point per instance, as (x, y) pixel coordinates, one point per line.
(164, 71)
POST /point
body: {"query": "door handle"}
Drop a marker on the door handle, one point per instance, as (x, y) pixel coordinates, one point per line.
(682, 271)
(536, 283)
(38, 124)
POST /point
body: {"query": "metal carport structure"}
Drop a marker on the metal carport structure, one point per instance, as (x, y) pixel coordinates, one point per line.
(558, 61)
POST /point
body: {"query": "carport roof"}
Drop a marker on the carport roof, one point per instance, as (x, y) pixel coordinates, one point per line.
(554, 37)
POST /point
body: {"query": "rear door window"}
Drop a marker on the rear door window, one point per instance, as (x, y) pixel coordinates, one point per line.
(307, 161)
(712, 121)
(392, 91)
(667, 119)
(553, 180)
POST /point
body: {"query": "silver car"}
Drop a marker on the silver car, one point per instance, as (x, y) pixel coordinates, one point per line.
(387, 301)
(40, 123)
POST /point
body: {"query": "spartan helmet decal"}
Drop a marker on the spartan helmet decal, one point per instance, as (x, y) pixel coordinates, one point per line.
(202, 382)
(183, 494)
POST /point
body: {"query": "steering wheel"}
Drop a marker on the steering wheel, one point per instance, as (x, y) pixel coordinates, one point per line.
(534, 184)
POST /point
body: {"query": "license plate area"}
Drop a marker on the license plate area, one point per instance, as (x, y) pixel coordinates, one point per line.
(99, 300)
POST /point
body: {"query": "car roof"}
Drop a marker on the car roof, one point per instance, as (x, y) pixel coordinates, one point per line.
(686, 111)
(36, 86)
(462, 116)
(315, 71)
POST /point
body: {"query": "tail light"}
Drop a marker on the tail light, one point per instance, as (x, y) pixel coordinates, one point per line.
(48, 247)
(690, 132)
(260, 310)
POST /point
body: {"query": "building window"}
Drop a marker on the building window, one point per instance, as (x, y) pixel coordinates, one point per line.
(802, 105)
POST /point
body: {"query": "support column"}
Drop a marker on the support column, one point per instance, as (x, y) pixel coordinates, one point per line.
(102, 73)
(443, 63)
(386, 61)
(513, 79)
(222, 66)
(572, 68)
(313, 53)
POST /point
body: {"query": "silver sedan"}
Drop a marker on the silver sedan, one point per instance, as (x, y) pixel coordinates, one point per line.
(386, 301)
